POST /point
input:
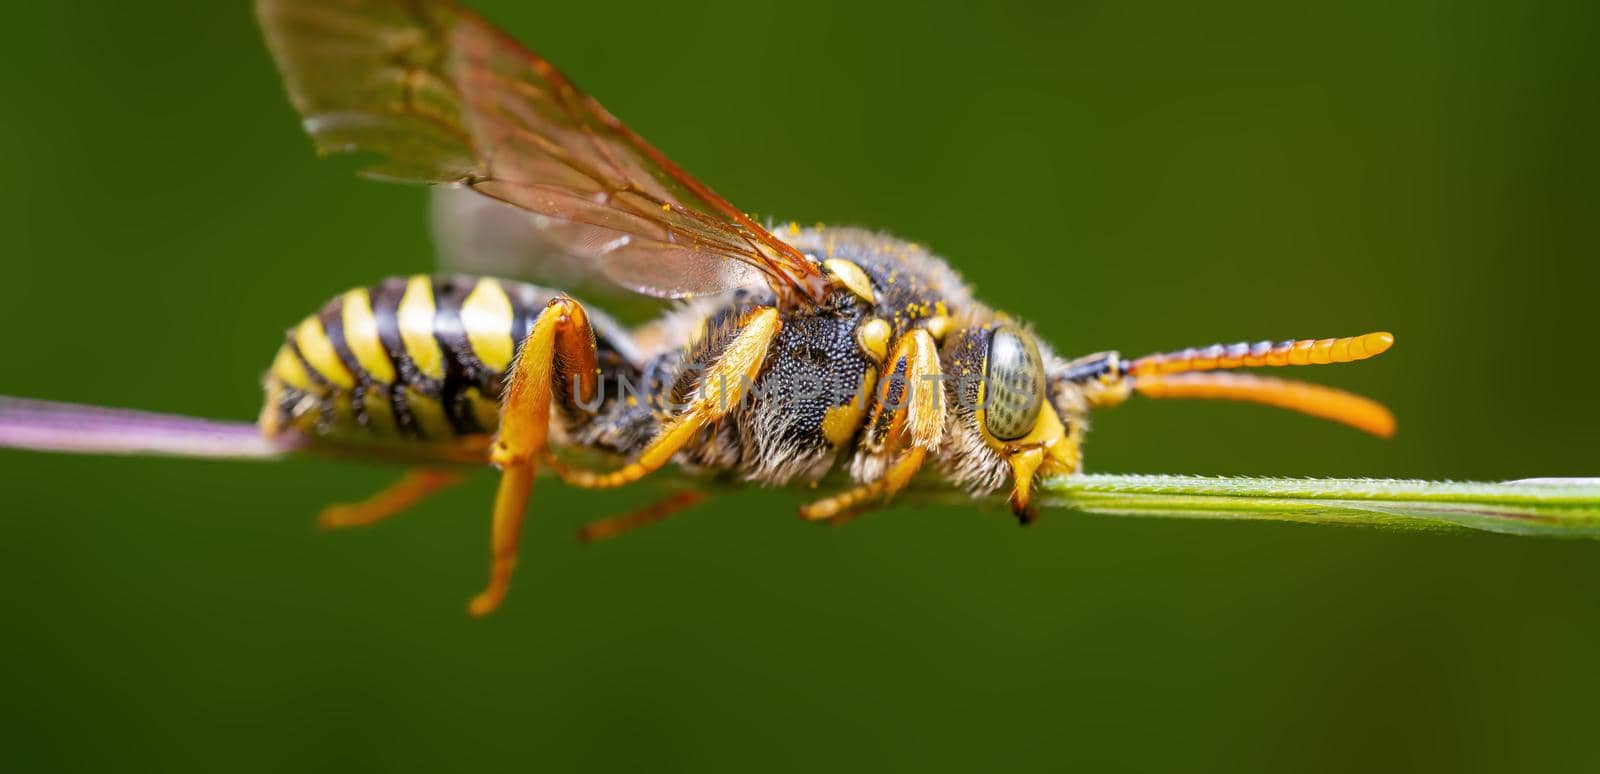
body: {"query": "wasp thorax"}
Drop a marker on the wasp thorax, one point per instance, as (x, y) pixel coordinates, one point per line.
(1013, 384)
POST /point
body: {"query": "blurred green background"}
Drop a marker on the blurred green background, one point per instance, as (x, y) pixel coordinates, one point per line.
(1133, 176)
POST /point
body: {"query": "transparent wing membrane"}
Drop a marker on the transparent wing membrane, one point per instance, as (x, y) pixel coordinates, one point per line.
(441, 96)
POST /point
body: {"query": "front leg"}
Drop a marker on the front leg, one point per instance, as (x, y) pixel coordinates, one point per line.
(905, 424)
(560, 350)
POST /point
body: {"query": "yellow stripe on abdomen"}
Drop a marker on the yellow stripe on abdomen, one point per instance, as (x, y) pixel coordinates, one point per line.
(429, 416)
(361, 336)
(380, 413)
(414, 317)
(318, 352)
(484, 409)
(286, 368)
(486, 317)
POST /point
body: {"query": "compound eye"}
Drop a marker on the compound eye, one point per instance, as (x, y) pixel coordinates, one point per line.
(1013, 384)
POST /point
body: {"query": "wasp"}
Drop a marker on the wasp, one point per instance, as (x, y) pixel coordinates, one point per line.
(787, 356)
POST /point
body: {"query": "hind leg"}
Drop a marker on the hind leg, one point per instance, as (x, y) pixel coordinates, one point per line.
(414, 487)
(560, 350)
(605, 529)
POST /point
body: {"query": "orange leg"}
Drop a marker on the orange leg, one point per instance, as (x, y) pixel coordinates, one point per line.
(724, 387)
(510, 505)
(901, 444)
(561, 343)
(412, 488)
(605, 529)
(841, 507)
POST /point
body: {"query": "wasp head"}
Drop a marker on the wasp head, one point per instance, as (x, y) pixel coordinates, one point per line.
(1015, 412)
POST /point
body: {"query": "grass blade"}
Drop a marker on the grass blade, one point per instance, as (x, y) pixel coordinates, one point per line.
(1545, 507)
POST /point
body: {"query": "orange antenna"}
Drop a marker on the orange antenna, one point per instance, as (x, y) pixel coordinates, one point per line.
(1361, 413)
(1242, 355)
(1181, 375)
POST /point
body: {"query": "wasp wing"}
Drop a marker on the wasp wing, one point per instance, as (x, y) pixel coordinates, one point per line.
(475, 234)
(441, 96)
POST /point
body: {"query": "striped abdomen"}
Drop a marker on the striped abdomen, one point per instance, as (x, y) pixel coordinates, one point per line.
(416, 357)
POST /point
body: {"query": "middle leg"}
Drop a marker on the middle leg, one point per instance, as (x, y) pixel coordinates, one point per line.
(906, 424)
(722, 388)
(412, 488)
(605, 529)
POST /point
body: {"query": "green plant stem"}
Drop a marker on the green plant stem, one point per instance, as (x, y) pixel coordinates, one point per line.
(1547, 507)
